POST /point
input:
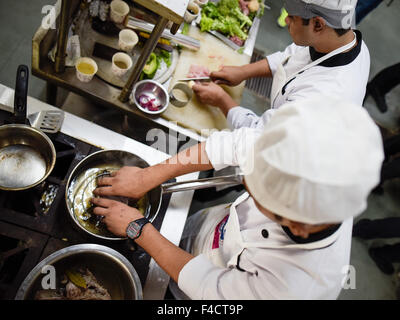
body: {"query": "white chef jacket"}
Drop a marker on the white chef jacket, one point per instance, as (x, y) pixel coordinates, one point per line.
(236, 260)
(344, 75)
(270, 264)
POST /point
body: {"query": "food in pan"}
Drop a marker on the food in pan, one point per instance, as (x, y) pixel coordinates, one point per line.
(80, 192)
(78, 284)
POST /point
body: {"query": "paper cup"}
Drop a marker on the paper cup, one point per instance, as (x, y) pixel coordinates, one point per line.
(127, 40)
(191, 13)
(86, 68)
(201, 2)
(121, 63)
(118, 11)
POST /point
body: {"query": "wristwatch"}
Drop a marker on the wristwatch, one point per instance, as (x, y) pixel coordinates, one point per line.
(135, 227)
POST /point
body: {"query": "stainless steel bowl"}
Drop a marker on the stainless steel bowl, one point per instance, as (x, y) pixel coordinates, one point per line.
(153, 89)
(113, 271)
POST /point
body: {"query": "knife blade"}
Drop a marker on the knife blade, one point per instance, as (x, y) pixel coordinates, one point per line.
(196, 79)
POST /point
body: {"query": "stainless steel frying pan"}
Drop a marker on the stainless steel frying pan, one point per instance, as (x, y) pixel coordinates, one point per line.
(27, 155)
(111, 159)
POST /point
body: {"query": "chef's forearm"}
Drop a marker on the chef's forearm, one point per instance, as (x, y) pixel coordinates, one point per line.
(257, 69)
(227, 104)
(167, 255)
(190, 160)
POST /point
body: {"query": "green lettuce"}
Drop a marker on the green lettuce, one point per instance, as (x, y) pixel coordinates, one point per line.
(225, 17)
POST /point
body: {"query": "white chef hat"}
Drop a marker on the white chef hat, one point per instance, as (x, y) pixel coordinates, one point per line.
(339, 14)
(316, 161)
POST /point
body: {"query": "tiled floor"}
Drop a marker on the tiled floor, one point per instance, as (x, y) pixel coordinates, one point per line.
(20, 19)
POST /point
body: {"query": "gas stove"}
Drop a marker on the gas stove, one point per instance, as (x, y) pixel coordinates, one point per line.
(35, 223)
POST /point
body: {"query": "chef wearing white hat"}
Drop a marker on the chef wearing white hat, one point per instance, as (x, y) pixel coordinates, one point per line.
(289, 236)
(327, 57)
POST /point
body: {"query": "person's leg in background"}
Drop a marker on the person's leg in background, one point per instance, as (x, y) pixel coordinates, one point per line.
(382, 83)
(390, 167)
(381, 228)
(385, 256)
(391, 146)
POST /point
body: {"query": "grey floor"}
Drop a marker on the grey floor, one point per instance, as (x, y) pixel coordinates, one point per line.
(20, 19)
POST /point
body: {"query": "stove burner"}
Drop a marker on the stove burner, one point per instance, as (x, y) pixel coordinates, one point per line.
(35, 223)
(20, 250)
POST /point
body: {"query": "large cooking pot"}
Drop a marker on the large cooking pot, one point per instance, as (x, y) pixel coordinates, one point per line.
(112, 270)
(117, 159)
(27, 155)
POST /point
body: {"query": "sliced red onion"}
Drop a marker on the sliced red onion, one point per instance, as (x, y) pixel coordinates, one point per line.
(148, 103)
(143, 99)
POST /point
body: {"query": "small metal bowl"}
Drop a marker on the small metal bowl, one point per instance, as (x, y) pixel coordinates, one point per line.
(113, 271)
(153, 89)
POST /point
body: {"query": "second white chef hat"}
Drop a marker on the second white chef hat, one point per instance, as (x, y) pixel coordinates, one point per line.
(316, 161)
(339, 14)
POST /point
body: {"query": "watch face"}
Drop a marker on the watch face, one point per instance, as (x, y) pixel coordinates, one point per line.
(133, 230)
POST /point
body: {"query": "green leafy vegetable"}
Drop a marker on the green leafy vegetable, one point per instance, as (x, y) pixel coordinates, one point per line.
(241, 17)
(76, 278)
(154, 62)
(262, 8)
(227, 18)
(185, 29)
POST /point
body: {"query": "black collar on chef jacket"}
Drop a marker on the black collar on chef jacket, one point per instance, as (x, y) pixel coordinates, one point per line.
(313, 237)
(340, 59)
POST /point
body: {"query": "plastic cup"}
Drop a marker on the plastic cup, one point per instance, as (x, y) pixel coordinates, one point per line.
(121, 63)
(86, 68)
(118, 11)
(127, 40)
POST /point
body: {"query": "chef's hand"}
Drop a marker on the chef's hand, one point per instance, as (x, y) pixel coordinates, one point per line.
(117, 215)
(126, 182)
(212, 94)
(231, 76)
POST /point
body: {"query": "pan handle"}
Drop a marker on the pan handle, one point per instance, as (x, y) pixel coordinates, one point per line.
(20, 95)
(230, 180)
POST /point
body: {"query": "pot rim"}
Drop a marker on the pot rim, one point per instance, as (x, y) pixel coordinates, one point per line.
(53, 154)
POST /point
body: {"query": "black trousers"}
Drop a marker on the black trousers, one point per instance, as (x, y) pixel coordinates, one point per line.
(387, 79)
(391, 168)
(384, 228)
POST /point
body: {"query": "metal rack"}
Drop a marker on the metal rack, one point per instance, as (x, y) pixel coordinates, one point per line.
(56, 75)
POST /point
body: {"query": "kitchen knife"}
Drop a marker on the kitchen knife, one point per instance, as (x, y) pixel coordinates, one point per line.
(196, 79)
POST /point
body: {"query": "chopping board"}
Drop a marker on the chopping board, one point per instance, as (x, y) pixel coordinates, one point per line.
(212, 54)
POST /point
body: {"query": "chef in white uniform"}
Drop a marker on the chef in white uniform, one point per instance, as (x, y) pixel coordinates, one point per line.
(289, 236)
(327, 57)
